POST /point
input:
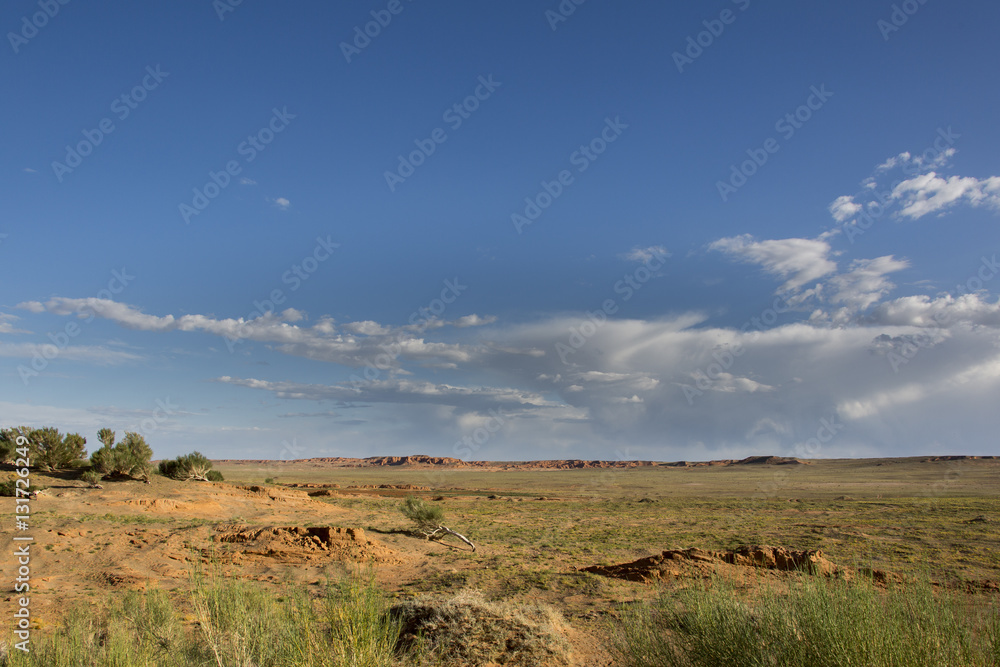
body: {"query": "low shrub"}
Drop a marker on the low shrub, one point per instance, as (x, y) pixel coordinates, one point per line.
(189, 466)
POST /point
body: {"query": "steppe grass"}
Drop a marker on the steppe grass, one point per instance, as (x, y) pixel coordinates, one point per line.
(817, 623)
(235, 623)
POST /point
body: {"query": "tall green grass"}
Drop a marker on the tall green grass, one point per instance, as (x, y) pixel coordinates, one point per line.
(817, 623)
(236, 624)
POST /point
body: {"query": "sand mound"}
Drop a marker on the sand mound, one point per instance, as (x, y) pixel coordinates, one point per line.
(295, 543)
(468, 630)
(675, 564)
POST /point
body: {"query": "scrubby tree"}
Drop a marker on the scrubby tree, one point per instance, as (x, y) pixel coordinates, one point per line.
(8, 442)
(189, 466)
(129, 458)
(51, 450)
(427, 520)
(107, 437)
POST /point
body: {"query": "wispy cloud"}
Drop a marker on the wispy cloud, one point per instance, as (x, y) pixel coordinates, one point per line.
(800, 261)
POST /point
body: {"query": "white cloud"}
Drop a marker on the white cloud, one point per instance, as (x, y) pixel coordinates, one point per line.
(944, 311)
(7, 324)
(844, 208)
(359, 344)
(930, 193)
(247, 181)
(801, 261)
(281, 203)
(87, 353)
(865, 283)
(639, 254)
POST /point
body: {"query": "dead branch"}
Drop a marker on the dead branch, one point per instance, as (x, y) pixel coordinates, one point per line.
(431, 534)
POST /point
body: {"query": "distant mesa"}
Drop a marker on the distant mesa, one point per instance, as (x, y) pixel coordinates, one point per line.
(424, 461)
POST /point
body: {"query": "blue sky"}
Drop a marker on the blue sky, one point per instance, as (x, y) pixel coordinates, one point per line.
(510, 230)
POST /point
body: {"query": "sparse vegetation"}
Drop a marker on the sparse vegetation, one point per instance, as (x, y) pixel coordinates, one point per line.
(817, 623)
(189, 466)
(238, 624)
(92, 478)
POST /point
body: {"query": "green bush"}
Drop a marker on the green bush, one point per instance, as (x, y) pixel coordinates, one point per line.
(818, 623)
(129, 458)
(8, 442)
(215, 476)
(51, 450)
(91, 477)
(189, 466)
(426, 517)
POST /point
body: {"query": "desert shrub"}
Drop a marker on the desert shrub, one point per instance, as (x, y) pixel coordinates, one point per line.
(426, 517)
(215, 476)
(9, 486)
(468, 630)
(129, 458)
(819, 623)
(91, 477)
(8, 442)
(50, 450)
(189, 466)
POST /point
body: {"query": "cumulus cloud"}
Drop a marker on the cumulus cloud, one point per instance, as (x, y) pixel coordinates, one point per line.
(930, 193)
(844, 208)
(281, 203)
(800, 261)
(943, 311)
(920, 188)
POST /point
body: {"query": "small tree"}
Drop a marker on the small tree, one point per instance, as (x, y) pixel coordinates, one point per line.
(51, 450)
(8, 442)
(428, 518)
(129, 458)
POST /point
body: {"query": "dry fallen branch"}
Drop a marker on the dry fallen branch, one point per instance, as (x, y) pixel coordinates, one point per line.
(430, 535)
